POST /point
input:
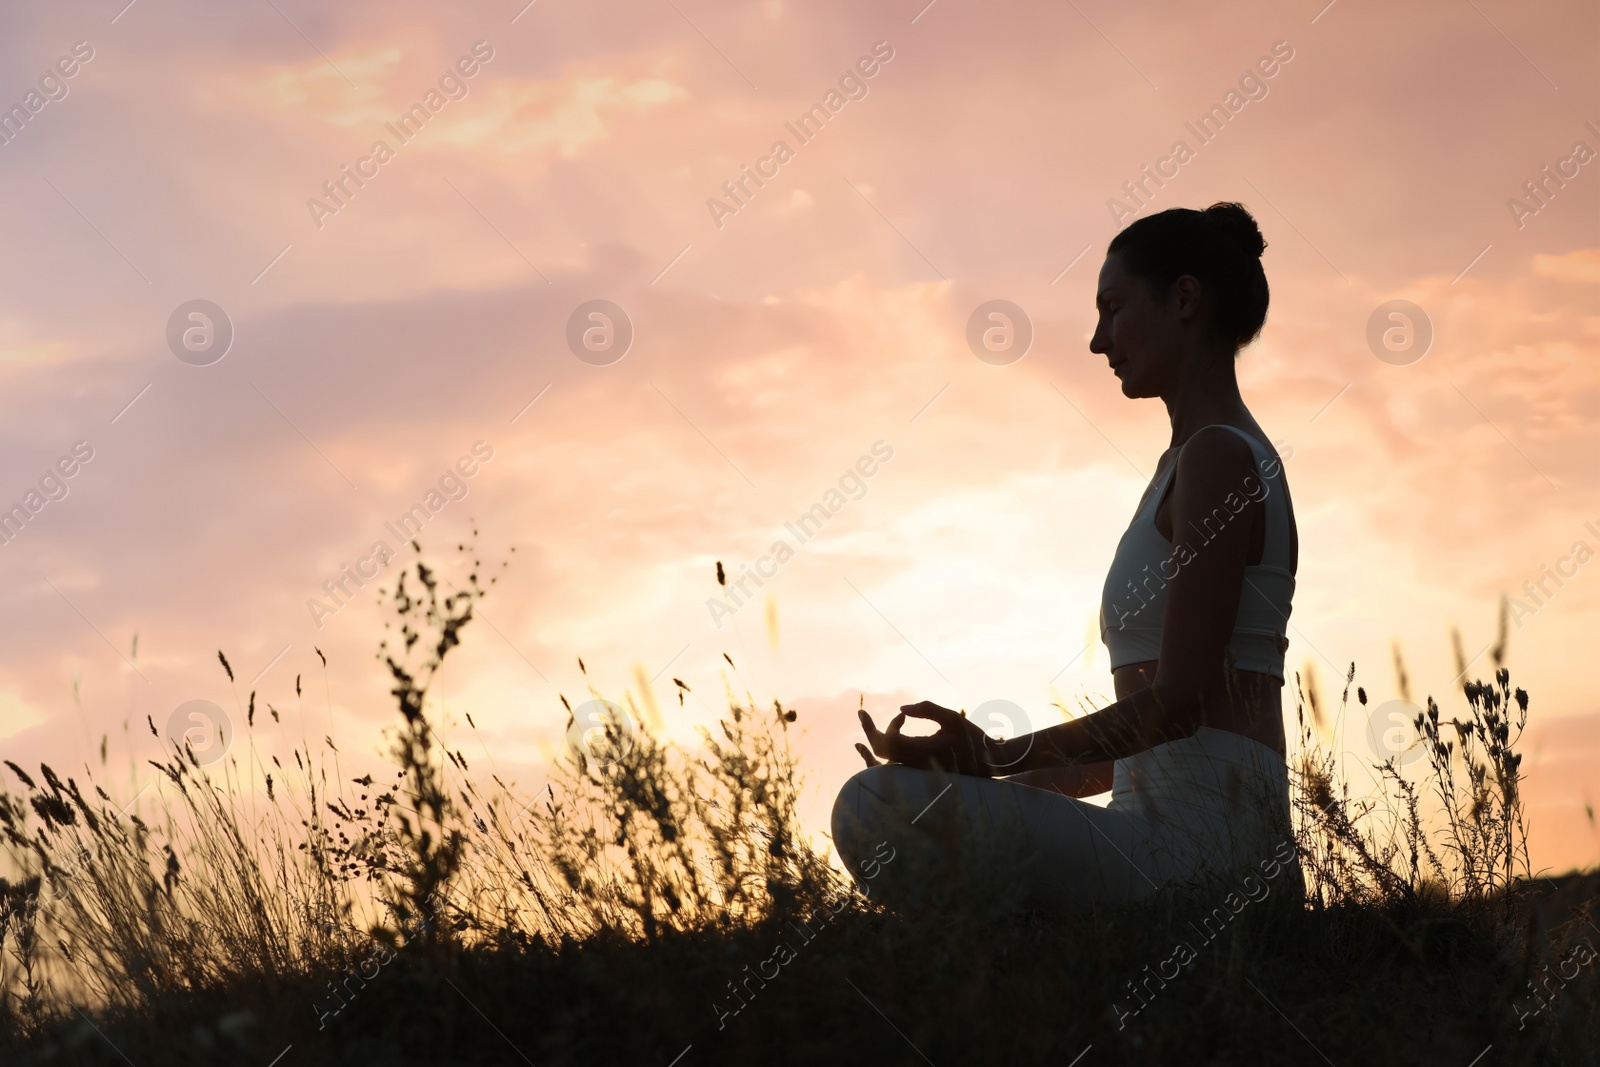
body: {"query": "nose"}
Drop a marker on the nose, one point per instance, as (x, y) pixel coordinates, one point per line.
(1097, 341)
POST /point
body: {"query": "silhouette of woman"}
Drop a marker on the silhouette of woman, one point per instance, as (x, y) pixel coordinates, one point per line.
(1194, 613)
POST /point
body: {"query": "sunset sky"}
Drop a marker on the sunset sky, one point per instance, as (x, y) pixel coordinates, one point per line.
(386, 325)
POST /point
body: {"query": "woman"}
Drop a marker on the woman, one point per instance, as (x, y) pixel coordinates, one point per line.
(1194, 612)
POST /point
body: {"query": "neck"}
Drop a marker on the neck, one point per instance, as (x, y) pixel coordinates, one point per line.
(1206, 392)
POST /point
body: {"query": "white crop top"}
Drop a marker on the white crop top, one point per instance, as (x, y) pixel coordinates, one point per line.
(1133, 602)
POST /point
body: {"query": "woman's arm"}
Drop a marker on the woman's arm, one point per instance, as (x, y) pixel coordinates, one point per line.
(1214, 504)
(1133, 724)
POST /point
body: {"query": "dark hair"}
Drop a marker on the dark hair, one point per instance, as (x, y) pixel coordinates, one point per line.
(1221, 246)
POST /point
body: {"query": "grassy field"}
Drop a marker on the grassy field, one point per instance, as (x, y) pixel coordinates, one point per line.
(657, 906)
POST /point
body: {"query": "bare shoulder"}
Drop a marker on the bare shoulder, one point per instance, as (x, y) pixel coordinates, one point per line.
(1214, 468)
(1214, 455)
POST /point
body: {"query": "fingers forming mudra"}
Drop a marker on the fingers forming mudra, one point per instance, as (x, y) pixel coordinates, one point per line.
(958, 745)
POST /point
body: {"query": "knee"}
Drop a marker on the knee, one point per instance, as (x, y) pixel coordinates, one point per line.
(851, 809)
(865, 808)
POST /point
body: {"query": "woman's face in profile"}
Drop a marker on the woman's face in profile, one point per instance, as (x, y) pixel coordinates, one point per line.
(1137, 335)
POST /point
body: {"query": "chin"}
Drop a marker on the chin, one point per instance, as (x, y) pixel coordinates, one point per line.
(1137, 388)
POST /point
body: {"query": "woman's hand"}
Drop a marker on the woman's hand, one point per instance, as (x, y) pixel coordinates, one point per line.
(960, 745)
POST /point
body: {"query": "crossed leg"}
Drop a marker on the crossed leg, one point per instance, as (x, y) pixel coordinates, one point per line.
(915, 838)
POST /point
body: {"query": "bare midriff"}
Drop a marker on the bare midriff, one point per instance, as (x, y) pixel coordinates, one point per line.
(1255, 707)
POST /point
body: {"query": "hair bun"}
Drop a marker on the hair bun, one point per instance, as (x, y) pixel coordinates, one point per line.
(1233, 220)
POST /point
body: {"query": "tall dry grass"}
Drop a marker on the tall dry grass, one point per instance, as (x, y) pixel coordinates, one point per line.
(633, 837)
(1392, 845)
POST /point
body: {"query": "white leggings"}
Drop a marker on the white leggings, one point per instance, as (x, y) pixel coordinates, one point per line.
(1201, 809)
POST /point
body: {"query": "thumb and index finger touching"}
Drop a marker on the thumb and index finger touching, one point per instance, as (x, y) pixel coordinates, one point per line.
(882, 740)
